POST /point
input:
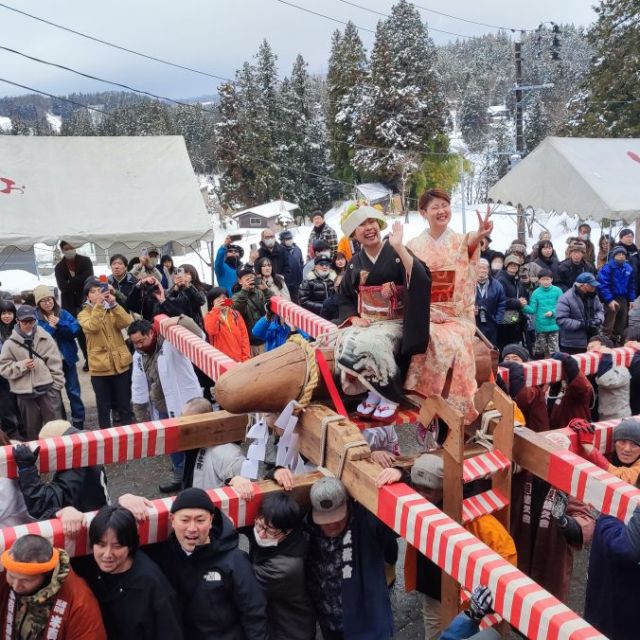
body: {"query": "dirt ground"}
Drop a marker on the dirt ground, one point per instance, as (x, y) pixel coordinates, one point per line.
(142, 477)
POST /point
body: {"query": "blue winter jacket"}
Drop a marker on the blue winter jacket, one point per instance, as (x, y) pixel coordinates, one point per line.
(293, 255)
(273, 333)
(613, 577)
(64, 333)
(225, 274)
(617, 280)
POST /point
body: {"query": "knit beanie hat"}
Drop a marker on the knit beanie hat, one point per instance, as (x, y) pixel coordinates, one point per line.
(517, 247)
(628, 429)
(614, 251)
(517, 350)
(41, 292)
(193, 498)
(578, 246)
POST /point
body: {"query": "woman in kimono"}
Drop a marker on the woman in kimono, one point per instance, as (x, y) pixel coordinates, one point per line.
(384, 305)
(448, 366)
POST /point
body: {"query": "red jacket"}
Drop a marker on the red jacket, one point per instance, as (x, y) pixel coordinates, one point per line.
(75, 612)
(533, 404)
(227, 332)
(575, 403)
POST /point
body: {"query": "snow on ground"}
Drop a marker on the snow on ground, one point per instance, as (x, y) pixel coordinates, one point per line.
(561, 227)
(55, 122)
(5, 123)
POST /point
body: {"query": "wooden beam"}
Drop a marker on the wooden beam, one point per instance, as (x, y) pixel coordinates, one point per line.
(131, 442)
(157, 527)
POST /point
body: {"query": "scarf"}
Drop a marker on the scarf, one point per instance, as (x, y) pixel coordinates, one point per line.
(38, 615)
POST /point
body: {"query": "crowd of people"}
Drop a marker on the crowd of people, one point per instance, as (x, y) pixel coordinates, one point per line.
(414, 308)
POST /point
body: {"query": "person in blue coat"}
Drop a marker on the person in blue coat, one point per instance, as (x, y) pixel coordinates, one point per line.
(617, 292)
(274, 331)
(612, 578)
(227, 262)
(490, 302)
(64, 328)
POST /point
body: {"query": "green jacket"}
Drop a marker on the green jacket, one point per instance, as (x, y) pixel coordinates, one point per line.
(251, 305)
(542, 301)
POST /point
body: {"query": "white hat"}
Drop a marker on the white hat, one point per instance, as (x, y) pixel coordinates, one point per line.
(355, 214)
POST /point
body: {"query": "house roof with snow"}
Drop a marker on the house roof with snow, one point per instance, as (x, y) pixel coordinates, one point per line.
(373, 192)
(269, 209)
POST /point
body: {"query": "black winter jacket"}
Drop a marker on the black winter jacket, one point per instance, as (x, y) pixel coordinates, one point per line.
(314, 291)
(189, 300)
(138, 604)
(568, 272)
(281, 573)
(276, 254)
(83, 488)
(513, 290)
(142, 301)
(72, 286)
(216, 586)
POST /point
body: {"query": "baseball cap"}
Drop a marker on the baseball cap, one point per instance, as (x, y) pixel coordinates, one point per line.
(587, 278)
(25, 311)
(428, 471)
(328, 501)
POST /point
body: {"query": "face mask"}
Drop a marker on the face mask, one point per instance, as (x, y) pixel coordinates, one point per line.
(322, 274)
(264, 542)
(288, 243)
(496, 266)
(153, 262)
(269, 242)
(69, 254)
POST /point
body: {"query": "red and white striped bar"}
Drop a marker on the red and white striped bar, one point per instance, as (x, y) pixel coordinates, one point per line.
(102, 446)
(308, 321)
(484, 465)
(155, 529)
(517, 598)
(603, 436)
(206, 357)
(593, 486)
(482, 504)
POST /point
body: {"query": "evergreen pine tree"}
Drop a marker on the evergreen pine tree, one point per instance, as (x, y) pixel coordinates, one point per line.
(608, 105)
(79, 124)
(473, 117)
(402, 107)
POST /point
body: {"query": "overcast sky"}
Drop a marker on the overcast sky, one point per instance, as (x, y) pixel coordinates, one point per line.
(217, 36)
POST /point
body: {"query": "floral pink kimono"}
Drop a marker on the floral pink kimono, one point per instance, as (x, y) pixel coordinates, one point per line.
(453, 326)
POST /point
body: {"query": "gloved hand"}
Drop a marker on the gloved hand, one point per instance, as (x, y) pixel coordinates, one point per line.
(516, 376)
(559, 508)
(598, 459)
(569, 365)
(480, 603)
(584, 429)
(24, 457)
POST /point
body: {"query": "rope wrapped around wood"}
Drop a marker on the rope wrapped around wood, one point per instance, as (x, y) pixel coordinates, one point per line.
(311, 381)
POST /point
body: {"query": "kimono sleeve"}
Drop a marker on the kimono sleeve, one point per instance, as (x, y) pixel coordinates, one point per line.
(417, 300)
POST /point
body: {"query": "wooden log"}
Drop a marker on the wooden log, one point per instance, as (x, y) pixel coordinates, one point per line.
(131, 442)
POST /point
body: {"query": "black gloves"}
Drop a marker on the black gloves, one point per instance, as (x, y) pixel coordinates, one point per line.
(569, 365)
(480, 603)
(516, 377)
(24, 457)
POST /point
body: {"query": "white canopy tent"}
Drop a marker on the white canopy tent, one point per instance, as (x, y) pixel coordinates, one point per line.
(111, 190)
(593, 178)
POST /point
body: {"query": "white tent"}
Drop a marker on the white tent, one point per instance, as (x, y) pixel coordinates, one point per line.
(102, 190)
(593, 178)
(269, 209)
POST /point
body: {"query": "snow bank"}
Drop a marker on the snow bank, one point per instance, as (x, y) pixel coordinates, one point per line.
(5, 123)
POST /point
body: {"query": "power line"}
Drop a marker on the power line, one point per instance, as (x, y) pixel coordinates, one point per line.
(322, 15)
(113, 45)
(482, 24)
(386, 15)
(111, 82)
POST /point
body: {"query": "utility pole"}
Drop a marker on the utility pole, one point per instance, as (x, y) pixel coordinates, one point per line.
(519, 125)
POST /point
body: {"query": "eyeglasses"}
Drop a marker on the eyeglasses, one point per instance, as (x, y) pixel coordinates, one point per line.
(262, 527)
(27, 321)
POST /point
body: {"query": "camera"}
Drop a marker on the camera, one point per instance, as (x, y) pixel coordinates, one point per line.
(149, 288)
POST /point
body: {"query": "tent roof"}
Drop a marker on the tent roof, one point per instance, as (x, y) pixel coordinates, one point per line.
(373, 191)
(269, 209)
(593, 178)
(101, 190)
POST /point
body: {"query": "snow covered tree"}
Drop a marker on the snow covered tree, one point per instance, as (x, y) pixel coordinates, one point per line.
(196, 125)
(346, 72)
(402, 107)
(79, 124)
(473, 117)
(608, 104)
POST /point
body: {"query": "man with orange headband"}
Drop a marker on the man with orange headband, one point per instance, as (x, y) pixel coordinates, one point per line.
(41, 596)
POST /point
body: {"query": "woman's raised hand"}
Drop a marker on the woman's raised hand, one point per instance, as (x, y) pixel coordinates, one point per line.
(395, 237)
(485, 226)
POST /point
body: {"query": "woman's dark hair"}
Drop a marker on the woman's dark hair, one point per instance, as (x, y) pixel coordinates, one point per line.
(7, 329)
(56, 307)
(215, 292)
(543, 244)
(133, 262)
(195, 278)
(336, 268)
(607, 237)
(280, 511)
(121, 521)
(257, 267)
(119, 256)
(166, 257)
(432, 194)
(320, 245)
